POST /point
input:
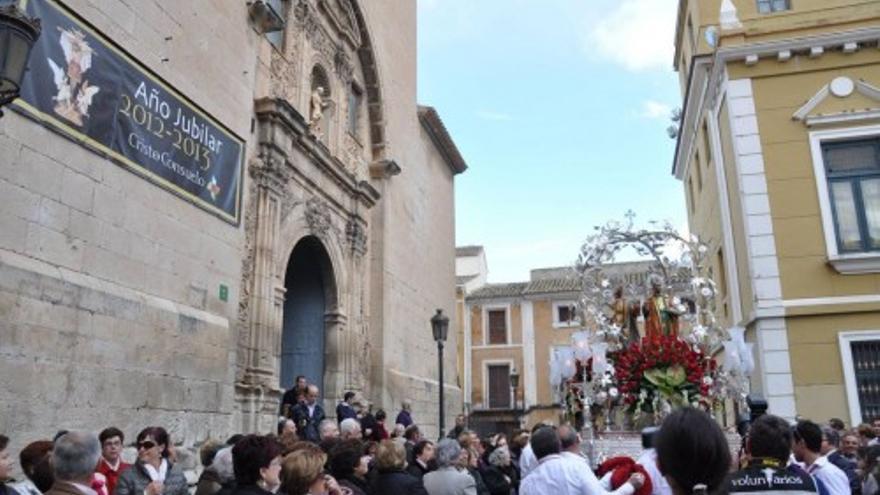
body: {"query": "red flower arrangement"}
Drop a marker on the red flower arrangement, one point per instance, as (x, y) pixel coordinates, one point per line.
(664, 367)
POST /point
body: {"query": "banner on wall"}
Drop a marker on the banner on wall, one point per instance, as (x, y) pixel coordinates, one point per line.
(81, 85)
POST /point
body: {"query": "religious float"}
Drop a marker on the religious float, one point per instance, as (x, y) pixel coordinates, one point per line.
(648, 343)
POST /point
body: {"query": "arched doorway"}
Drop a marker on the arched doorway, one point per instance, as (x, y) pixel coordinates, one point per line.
(311, 293)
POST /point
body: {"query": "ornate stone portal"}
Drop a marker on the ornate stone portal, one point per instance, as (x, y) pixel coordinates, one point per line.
(299, 189)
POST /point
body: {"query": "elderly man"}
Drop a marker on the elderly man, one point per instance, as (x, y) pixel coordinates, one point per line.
(74, 459)
(308, 415)
(328, 430)
(447, 479)
(350, 429)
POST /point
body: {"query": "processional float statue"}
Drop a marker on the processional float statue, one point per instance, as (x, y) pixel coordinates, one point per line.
(616, 376)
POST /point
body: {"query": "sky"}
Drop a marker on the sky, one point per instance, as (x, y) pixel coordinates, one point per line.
(560, 109)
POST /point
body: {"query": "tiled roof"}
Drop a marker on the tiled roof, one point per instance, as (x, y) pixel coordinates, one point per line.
(461, 280)
(552, 285)
(492, 291)
(519, 289)
(432, 123)
(468, 250)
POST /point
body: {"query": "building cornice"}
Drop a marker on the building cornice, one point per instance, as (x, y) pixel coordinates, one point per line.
(750, 53)
(432, 123)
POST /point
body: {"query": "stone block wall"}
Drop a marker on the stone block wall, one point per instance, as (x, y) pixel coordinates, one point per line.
(109, 285)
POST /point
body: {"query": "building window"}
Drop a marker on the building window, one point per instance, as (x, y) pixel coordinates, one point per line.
(276, 37)
(768, 6)
(866, 367)
(852, 169)
(355, 98)
(499, 386)
(564, 314)
(497, 320)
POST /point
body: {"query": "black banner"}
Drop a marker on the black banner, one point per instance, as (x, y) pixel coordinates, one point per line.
(83, 86)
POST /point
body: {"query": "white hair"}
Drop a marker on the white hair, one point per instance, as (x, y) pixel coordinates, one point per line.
(223, 466)
(75, 455)
(349, 426)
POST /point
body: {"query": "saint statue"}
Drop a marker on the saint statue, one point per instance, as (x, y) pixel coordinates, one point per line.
(317, 105)
(661, 317)
(624, 317)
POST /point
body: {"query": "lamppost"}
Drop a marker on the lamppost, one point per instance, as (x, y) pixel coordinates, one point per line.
(440, 327)
(18, 33)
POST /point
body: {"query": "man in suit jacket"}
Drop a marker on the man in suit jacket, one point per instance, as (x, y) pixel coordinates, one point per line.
(308, 415)
(344, 409)
(423, 457)
(74, 459)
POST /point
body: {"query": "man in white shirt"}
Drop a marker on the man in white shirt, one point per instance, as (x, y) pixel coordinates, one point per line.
(570, 443)
(648, 460)
(527, 460)
(556, 474)
(806, 447)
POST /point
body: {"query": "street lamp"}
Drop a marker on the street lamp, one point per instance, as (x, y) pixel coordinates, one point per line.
(514, 385)
(18, 33)
(440, 327)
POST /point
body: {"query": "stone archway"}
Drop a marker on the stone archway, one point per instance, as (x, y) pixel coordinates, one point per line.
(310, 296)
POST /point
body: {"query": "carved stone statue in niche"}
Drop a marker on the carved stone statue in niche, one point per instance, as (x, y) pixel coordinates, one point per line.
(317, 105)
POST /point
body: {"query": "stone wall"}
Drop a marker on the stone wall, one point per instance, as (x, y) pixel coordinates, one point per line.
(418, 244)
(109, 305)
(109, 285)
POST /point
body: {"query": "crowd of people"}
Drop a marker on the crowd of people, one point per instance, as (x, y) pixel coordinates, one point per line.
(354, 453)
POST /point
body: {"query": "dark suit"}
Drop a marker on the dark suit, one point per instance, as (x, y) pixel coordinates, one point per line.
(288, 402)
(307, 425)
(345, 411)
(849, 469)
(416, 469)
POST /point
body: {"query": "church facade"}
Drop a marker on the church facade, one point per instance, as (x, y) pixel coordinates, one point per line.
(127, 300)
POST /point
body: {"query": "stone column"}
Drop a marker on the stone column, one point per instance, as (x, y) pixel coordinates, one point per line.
(258, 392)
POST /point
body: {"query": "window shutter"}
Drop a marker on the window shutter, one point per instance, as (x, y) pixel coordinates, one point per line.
(499, 386)
(497, 327)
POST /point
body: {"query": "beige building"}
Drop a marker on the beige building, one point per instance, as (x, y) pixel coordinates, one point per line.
(779, 153)
(515, 328)
(127, 299)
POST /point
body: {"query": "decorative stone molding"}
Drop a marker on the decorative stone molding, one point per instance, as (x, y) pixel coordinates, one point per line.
(728, 17)
(384, 169)
(356, 235)
(318, 217)
(343, 66)
(840, 87)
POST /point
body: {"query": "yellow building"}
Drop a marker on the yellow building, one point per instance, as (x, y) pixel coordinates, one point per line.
(779, 153)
